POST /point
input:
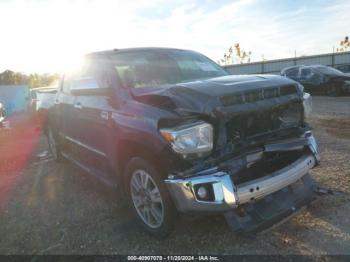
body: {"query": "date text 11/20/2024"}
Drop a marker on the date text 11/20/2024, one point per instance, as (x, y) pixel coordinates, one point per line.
(173, 258)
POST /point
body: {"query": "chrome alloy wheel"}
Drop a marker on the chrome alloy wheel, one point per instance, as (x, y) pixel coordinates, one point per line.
(147, 199)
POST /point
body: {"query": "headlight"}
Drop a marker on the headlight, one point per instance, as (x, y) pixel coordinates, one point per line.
(307, 104)
(196, 138)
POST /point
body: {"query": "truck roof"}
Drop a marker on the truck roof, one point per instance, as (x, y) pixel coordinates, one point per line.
(122, 50)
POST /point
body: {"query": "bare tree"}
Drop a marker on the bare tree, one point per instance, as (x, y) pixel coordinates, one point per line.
(344, 45)
(235, 55)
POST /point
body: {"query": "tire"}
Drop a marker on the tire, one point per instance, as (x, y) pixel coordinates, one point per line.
(53, 145)
(149, 198)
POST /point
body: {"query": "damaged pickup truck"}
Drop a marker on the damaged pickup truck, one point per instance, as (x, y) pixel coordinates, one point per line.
(177, 134)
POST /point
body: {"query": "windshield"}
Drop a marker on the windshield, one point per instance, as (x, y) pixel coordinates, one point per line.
(328, 70)
(162, 67)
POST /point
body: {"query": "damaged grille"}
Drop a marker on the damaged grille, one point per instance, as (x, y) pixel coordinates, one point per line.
(251, 125)
(271, 162)
(258, 95)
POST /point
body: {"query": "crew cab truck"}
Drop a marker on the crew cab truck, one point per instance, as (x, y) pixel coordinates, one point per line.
(177, 134)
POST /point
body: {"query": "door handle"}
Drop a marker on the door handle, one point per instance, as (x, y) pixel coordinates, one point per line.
(78, 105)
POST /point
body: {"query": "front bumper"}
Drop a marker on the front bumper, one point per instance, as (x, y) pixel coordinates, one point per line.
(227, 195)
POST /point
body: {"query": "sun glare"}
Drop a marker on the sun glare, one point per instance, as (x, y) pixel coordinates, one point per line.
(71, 64)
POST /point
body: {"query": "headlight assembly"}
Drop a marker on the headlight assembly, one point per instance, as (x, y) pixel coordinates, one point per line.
(291, 117)
(187, 140)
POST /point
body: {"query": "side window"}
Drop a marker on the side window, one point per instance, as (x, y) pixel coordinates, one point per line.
(341, 68)
(293, 73)
(84, 83)
(306, 73)
(99, 72)
(344, 68)
(72, 79)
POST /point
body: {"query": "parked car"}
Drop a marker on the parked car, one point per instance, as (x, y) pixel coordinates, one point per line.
(318, 79)
(42, 98)
(2, 115)
(177, 134)
(344, 68)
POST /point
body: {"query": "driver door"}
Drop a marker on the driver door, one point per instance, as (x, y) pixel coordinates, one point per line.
(92, 111)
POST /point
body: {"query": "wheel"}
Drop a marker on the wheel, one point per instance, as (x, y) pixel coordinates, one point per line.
(149, 198)
(53, 146)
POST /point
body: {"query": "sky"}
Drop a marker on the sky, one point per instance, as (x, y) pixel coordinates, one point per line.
(46, 36)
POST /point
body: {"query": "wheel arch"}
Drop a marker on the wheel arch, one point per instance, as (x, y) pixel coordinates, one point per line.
(128, 149)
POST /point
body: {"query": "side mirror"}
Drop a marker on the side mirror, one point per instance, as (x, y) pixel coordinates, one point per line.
(88, 86)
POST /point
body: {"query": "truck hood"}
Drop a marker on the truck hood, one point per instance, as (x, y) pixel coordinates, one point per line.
(221, 95)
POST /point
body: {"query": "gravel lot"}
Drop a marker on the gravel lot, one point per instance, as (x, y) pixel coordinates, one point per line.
(55, 208)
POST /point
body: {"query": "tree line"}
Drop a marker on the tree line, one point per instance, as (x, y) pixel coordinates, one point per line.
(9, 77)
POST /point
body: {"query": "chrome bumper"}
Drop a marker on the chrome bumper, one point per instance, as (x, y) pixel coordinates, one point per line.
(264, 186)
(228, 196)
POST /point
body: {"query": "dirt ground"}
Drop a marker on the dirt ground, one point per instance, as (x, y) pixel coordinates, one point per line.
(55, 208)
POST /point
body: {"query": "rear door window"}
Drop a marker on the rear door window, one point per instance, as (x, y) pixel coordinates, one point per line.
(292, 73)
(306, 73)
(345, 68)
